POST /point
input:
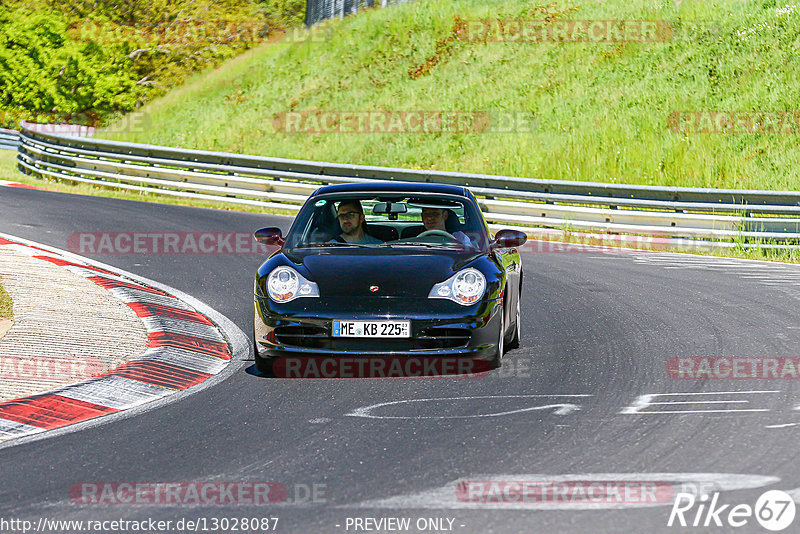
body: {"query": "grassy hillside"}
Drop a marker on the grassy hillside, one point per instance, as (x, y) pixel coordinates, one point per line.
(601, 109)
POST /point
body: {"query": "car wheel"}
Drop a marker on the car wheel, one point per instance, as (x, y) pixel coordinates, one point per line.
(264, 366)
(514, 343)
(498, 357)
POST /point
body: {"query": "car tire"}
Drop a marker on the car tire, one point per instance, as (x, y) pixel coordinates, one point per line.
(514, 343)
(497, 361)
(264, 366)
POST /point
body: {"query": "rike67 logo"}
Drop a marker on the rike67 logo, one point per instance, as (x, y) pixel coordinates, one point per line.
(774, 510)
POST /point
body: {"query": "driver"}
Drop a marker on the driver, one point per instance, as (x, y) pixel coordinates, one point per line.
(434, 219)
(351, 220)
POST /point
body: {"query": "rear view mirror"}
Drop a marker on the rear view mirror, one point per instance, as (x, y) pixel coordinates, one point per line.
(392, 209)
(509, 239)
(269, 236)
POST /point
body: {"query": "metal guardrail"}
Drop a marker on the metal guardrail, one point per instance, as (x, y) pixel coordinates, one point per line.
(9, 139)
(708, 214)
(319, 10)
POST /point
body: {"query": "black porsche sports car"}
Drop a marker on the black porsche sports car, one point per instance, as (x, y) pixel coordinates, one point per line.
(388, 269)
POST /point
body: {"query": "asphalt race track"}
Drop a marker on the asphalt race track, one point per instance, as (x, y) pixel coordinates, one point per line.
(599, 329)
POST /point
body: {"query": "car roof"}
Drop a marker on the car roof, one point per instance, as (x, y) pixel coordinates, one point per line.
(393, 187)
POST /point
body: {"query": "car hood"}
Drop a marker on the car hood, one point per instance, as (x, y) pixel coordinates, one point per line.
(395, 273)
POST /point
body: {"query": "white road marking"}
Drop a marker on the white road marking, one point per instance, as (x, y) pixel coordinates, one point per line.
(717, 392)
(795, 494)
(768, 275)
(559, 408)
(782, 426)
(707, 411)
(643, 401)
(701, 402)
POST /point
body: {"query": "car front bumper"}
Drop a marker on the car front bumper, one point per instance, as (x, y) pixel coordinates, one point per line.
(439, 328)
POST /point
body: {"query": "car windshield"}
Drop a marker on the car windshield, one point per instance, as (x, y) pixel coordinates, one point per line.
(429, 221)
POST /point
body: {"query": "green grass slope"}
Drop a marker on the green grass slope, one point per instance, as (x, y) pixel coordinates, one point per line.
(601, 109)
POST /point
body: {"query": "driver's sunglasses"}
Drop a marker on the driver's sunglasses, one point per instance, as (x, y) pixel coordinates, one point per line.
(348, 215)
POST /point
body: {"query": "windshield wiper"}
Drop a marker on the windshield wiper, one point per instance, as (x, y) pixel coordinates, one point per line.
(418, 244)
(334, 244)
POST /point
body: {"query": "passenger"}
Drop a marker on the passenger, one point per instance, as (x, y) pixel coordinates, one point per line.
(351, 220)
(436, 219)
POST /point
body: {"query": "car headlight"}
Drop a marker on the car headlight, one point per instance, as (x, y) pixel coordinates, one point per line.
(285, 284)
(465, 287)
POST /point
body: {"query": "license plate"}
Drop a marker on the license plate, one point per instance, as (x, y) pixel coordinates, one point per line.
(371, 328)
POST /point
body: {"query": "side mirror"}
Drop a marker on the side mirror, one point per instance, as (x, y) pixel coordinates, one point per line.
(509, 239)
(269, 236)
